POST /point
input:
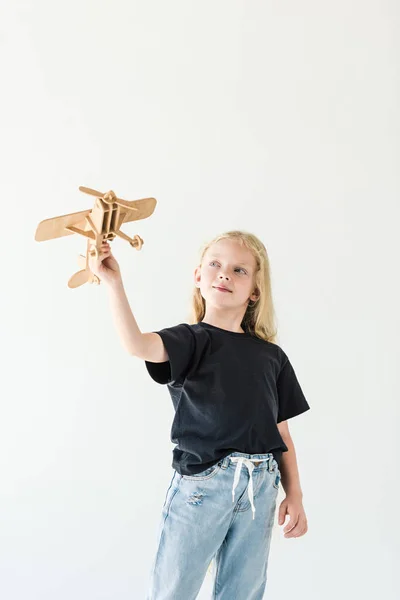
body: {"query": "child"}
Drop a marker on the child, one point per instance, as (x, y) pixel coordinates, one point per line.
(233, 389)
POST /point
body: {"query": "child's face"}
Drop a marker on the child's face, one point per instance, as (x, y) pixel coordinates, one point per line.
(227, 263)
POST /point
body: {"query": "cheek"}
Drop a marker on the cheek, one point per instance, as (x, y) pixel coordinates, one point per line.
(245, 287)
(207, 276)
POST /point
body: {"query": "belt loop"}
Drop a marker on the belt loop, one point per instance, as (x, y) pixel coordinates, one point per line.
(270, 463)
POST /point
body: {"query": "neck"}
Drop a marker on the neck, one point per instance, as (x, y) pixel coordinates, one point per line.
(224, 321)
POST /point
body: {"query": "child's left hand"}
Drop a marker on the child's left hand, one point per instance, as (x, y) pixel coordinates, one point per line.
(297, 526)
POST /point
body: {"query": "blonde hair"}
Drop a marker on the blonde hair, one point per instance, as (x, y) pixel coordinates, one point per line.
(259, 318)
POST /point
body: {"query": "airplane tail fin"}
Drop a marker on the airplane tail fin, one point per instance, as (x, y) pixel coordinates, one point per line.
(83, 276)
(79, 278)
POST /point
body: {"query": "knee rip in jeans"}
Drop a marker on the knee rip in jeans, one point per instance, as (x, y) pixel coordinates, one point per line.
(196, 498)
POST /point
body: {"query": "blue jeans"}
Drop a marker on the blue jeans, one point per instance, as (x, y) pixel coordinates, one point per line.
(225, 512)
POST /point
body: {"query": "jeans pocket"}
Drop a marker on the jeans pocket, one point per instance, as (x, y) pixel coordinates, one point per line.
(207, 474)
(171, 489)
(276, 474)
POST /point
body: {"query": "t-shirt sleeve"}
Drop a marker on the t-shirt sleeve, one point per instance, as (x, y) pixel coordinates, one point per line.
(180, 343)
(291, 400)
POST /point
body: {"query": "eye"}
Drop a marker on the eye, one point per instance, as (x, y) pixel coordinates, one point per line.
(237, 268)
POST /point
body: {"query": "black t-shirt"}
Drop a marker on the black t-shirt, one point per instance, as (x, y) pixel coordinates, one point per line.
(229, 391)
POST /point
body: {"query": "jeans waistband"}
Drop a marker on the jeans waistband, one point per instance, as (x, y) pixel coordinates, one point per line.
(266, 460)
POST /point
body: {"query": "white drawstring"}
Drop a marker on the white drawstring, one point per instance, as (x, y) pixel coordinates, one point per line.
(248, 462)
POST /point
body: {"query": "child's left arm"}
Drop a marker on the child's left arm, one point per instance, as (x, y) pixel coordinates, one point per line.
(292, 505)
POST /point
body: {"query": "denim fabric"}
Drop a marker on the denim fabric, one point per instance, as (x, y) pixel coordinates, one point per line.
(200, 522)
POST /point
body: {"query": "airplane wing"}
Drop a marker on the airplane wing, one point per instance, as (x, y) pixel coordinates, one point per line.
(55, 227)
(144, 208)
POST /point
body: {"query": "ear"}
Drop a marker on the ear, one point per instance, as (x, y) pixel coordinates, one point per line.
(197, 276)
(255, 295)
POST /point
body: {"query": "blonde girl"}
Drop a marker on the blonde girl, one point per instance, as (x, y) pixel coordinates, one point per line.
(233, 389)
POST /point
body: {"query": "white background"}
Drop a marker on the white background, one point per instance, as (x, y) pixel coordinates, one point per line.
(279, 118)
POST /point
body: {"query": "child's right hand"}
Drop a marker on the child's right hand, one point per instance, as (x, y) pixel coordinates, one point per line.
(105, 266)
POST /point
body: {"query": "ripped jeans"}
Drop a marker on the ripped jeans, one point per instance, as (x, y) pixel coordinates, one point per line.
(225, 513)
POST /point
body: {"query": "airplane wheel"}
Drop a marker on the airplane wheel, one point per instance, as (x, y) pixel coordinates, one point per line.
(137, 242)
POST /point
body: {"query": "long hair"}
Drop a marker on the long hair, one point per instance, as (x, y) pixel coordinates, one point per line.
(259, 318)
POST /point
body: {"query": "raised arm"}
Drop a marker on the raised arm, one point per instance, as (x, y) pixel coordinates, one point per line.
(147, 346)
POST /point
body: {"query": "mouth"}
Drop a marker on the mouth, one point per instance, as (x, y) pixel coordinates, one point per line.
(222, 289)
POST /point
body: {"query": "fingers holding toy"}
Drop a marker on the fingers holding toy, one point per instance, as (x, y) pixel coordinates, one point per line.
(105, 250)
(104, 265)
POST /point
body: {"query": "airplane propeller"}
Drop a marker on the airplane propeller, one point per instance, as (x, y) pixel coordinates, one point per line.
(108, 197)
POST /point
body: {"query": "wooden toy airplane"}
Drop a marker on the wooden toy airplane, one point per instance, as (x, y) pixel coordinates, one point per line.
(102, 222)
